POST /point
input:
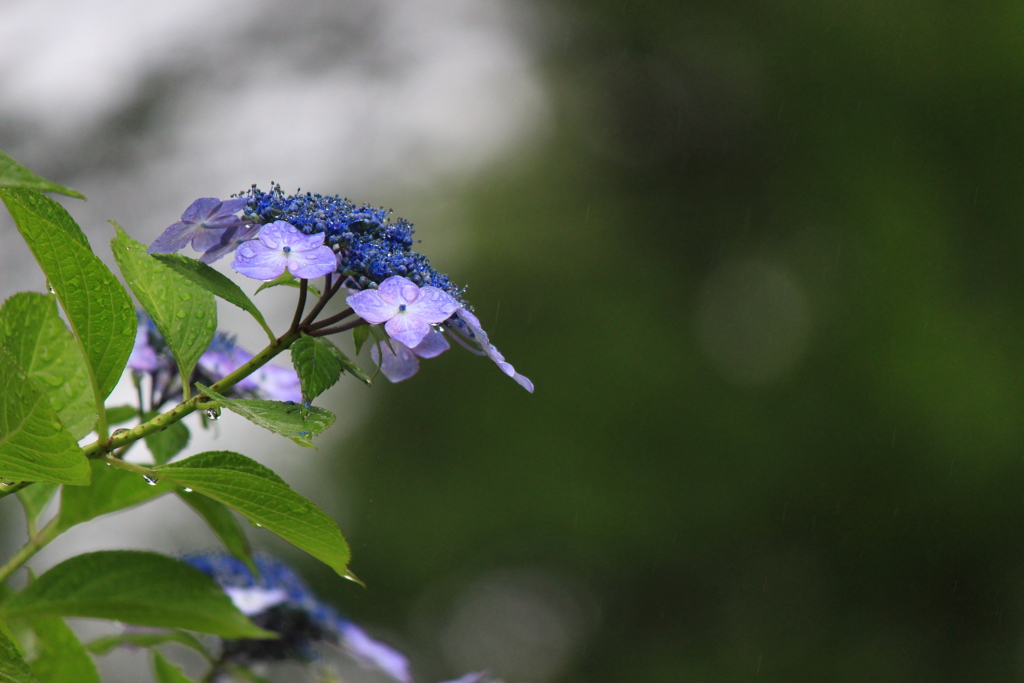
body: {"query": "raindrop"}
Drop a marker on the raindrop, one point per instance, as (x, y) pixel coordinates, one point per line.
(213, 414)
(152, 481)
(186, 489)
(50, 287)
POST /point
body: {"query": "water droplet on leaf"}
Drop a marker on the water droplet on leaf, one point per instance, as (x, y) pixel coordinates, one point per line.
(152, 481)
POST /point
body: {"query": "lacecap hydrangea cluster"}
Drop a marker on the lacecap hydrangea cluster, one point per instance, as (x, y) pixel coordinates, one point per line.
(280, 601)
(311, 235)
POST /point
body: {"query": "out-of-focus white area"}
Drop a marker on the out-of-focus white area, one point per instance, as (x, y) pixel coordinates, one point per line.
(146, 106)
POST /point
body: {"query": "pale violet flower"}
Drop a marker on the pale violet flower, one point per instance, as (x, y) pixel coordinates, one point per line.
(252, 600)
(271, 381)
(407, 310)
(398, 362)
(144, 357)
(373, 654)
(466, 325)
(209, 224)
(279, 247)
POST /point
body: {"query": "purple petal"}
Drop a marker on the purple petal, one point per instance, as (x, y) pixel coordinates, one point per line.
(313, 263)
(303, 242)
(257, 261)
(397, 290)
(229, 242)
(433, 305)
(408, 329)
(173, 239)
(434, 344)
(371, 307)
(276, 235)
(374, 654)
(206, 239)
(200, 209)
(277, 383)
(143, 357)
(507, 368)
(397, 365)
(523, 381)
(231, 206)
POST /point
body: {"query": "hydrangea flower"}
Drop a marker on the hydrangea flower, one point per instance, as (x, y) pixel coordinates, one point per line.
(210, 225)
(280, 601)
(407, 311)
(279, 247)
(371, 247)
(398, 362)
(143, 358)
(271, 381)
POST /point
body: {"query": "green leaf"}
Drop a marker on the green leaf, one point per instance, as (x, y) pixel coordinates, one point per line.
(13, 174)
(288, 280)
(32, 330)
(112, 490)
(34, 498)
(134, 587)
(167, 672)
(98, 308)
(293, 421)
(184, 312)
(317, 366)
(214, 282)
(102, 646)
(264, 499)
(13, 668)
(167, 443)
(62, 658)
(121, 414)
(33, 444)
(359, 336)
(346, 364)
(223, 523)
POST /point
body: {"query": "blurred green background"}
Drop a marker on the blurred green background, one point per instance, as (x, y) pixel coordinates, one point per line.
(764, 272)
(761, 262)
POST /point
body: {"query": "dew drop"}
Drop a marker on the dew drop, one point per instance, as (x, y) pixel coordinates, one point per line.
(213, 414)
(50, 287)
(185, 297)
(186, 489)
(150, 480)
(182, 314)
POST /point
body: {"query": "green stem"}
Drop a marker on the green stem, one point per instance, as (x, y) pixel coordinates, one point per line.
(34, 545)
(303, 287)
(104, 445)
(131, 467)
